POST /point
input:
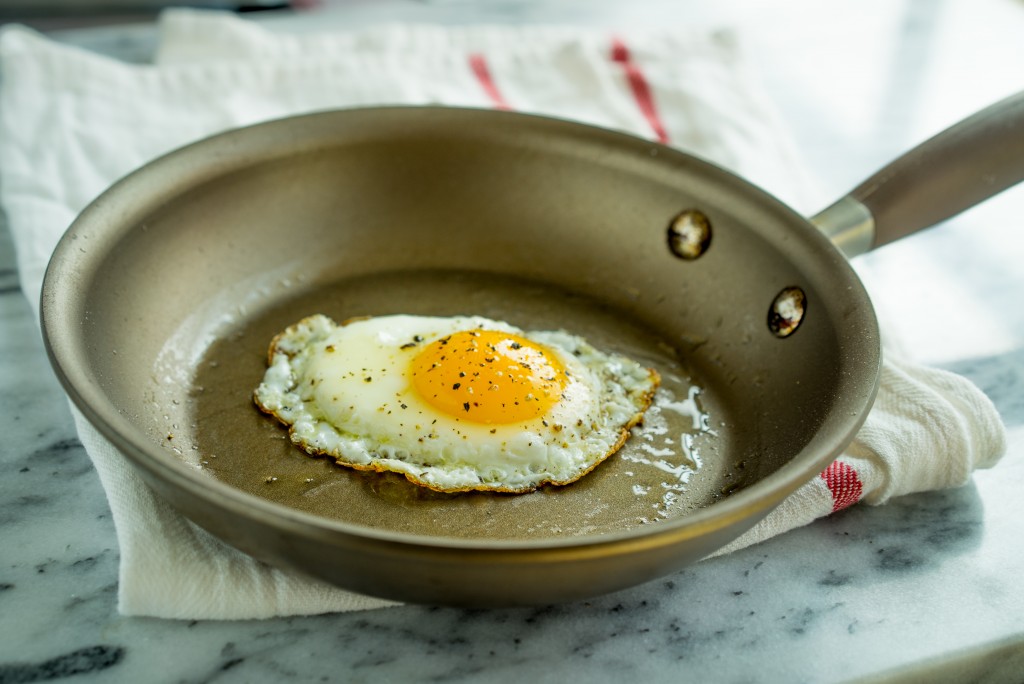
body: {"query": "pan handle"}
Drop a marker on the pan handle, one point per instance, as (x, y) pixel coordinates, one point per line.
(975, 159)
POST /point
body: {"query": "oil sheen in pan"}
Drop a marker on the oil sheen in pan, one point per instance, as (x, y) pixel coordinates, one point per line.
(669, 466)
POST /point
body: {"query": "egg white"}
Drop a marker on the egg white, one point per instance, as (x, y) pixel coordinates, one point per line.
(344, 391)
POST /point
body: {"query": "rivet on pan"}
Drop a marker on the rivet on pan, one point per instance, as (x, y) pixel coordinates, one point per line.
(689, 234)
(787, 312)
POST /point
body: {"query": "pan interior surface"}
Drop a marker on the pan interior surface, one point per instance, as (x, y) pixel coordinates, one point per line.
(652, 478)
(165, 321)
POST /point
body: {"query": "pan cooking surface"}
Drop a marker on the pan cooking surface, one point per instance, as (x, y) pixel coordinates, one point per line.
(667, 468)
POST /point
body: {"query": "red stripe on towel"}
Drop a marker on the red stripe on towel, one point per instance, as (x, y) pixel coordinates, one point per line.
(478, 65)
(844, 483)
(641, 89)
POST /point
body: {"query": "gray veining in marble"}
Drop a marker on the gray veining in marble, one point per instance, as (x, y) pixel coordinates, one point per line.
(926, 588)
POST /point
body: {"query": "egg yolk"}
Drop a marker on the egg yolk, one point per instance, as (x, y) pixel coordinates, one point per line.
(487, 376)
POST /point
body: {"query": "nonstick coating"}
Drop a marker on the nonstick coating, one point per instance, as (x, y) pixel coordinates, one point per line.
(162, 298)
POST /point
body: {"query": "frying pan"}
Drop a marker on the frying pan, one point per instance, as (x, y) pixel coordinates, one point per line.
(161, 298)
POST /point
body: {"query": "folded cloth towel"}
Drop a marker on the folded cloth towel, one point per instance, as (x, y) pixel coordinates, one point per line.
(72, 122)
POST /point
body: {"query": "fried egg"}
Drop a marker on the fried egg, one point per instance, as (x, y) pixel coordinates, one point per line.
(453, 403)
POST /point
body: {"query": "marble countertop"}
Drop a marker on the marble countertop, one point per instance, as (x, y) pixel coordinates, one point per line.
(925, 588)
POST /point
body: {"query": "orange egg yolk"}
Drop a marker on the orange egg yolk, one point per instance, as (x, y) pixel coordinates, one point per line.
(490, 377)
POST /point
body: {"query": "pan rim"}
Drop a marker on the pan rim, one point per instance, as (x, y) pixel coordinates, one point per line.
(143, 453)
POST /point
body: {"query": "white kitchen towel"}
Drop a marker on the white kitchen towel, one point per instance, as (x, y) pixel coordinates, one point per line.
(72, 122)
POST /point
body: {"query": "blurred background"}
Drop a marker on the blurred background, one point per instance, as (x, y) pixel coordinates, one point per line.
(54, 14)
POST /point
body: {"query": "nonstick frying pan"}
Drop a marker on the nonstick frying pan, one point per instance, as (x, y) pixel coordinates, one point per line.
(161, 299)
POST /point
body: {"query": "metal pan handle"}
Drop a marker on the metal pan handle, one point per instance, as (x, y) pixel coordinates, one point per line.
(975, 159)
